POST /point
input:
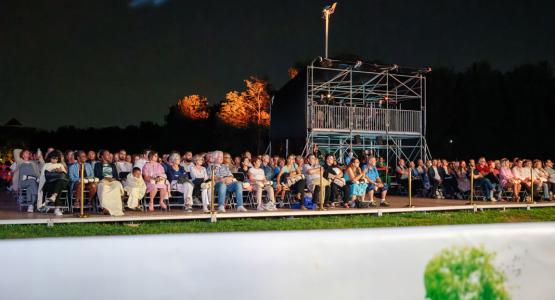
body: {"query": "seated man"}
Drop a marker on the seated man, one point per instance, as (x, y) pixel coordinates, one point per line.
(225, 182)
(375, 183)
(110, 189)
(481, 181)
(75, 178)
(402, 173)
(417, 182)
(435, 180)
(312, 172)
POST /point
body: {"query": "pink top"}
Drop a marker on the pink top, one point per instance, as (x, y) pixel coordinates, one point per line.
(154, 170)
(506, 175)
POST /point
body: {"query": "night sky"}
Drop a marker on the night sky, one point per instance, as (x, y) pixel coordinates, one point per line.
(104, 63)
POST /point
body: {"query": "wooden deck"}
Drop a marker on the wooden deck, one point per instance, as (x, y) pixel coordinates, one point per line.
(10, 214)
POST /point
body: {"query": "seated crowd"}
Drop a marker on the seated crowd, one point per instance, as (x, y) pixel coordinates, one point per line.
(118, 181)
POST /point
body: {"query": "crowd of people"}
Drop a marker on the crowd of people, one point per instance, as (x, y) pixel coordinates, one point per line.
(121, 181)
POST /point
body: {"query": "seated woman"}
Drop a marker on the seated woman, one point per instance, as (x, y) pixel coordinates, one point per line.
(135, 187)
(508, 180)
(259, 183)
(53, 180)
(156, 180)
(109, 189)
(199, 178)
(462, 175)
(27, 174)
(75, 178)
(179, 180)
(355, 180)
(291, 178)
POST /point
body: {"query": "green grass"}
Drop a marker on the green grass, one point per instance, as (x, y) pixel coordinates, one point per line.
(305, 223)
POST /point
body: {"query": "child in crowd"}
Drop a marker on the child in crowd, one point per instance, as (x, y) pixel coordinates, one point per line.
(135, 187)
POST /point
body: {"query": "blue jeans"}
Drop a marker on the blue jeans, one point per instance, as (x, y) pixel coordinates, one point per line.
(486, 185)
(234, 187)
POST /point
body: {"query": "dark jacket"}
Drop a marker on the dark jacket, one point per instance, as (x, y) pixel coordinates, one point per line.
(98, 171)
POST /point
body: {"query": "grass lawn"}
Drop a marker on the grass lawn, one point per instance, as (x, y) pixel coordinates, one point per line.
(304, 223)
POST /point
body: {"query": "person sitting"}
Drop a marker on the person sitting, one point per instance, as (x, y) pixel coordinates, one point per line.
(523, 175)
(53, 180)
(290, 177)
(435, 180)
(200, 180)
(89, 180)
(423, 172)
(462, 174)
(540, 177)
(314, 178)
(375, 183)
(508, 180)
(69, 158)
(402, 173)
(224, 182)
(355, 180)
(156, 181)
(550, 177)
(91, 158)
(481, 181)
(334, 174)
(244, 167)
(26, 176)
(267, 167)
(416, 177)
(109, 189)
(259, 183)
(179, 180)
(123, 165)
(135, 188)
(187, 160)
(450, 185)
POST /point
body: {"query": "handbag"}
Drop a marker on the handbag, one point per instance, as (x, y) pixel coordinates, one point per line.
(183, 179)
(292, 180)
(55, 176)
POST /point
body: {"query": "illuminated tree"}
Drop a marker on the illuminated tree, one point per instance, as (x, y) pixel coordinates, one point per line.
(251, 106)
(233, 110)
(194, 107)
(293, 72)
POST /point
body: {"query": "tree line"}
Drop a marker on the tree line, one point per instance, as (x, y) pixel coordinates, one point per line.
(473, 112)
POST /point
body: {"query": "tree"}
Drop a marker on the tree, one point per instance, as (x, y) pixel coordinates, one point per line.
(464, 273)
(250, 107)
(194, 107)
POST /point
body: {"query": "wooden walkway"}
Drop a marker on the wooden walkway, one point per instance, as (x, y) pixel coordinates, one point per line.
(10, 214)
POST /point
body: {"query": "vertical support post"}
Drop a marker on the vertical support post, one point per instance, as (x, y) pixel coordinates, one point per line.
(212, 195)
(531, 186)
(327, 18)
(410, 188)
(82, 183)
(471, 185)
(322, 189)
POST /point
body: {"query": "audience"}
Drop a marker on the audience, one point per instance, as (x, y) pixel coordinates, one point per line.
(189, 175)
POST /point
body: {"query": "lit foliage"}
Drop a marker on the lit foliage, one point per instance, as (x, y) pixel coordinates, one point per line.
(194, 107)
(293, 72)
(464, 273)
(251, 106)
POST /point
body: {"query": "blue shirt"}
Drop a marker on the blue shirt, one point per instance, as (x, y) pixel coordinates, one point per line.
(372, 173)
(173, 174)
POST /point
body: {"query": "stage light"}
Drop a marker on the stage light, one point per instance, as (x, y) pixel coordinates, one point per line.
(327, 11)
(358, 64)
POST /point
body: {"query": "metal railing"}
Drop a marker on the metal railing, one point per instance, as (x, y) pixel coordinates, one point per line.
(365, 119)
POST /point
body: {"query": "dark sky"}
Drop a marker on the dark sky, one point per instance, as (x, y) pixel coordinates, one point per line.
(103, 63)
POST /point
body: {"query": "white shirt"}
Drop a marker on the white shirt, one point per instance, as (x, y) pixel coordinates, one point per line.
(198, 173)
(140, 163)
(257, 173)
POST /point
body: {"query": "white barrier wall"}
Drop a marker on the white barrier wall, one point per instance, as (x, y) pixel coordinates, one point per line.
(331, 264)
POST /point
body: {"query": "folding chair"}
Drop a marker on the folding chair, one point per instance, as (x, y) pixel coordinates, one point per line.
(64, 198)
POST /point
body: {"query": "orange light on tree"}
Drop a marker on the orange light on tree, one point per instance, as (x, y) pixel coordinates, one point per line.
(194, 107)
(251, 106)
